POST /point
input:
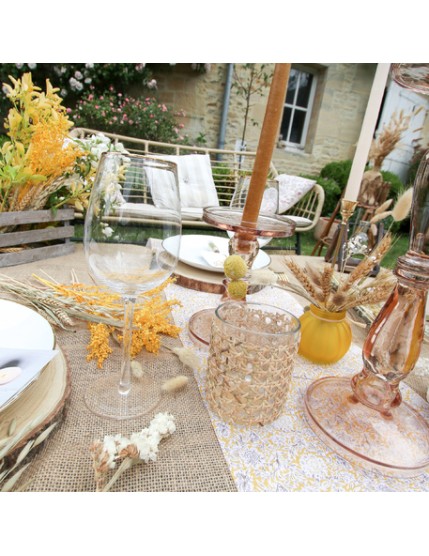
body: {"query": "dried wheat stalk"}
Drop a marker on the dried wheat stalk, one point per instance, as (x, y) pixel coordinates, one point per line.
(337, 292)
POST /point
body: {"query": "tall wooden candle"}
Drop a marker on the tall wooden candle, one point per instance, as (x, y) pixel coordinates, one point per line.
(267, 141)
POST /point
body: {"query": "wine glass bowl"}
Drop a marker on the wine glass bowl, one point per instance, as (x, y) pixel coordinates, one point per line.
(134, 206)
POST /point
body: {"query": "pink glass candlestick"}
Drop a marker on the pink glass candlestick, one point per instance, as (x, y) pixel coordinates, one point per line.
(243, 243)
(365, 419)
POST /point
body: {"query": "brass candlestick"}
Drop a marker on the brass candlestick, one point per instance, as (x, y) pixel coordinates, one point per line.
(347, 210)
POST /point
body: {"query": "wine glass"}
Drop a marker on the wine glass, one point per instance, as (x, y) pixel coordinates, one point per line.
(134, 205)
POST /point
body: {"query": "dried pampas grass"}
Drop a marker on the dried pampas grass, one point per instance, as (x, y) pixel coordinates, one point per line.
(175, 384)
(389, 138)
(402, 207)
(400, 211)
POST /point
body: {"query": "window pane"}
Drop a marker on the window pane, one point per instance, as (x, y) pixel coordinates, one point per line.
(285, 123)
(304, 89)
(291, 86)
(297, 126)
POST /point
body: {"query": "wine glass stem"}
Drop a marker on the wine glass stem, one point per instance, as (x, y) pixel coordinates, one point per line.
(125, 381)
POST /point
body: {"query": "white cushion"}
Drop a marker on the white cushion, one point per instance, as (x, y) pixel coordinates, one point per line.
(300, 221)
(291, 190)
(196, 185)
(269, 202)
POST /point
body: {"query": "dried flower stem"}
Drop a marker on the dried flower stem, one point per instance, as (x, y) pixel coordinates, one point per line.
(301, 276)
(337, 292)
(60, 304)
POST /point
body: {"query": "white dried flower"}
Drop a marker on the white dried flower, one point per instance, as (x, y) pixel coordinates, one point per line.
(136, 368)
(262, 277)
(108, 453)
(107, 231)
(175, 384)
(188, 357)
(163, 423)
(109, 448)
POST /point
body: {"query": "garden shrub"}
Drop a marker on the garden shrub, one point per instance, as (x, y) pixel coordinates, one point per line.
(75, 80)
(396, 184)
(337, 171)
(332, 194)
(142, 117)
(334, 176)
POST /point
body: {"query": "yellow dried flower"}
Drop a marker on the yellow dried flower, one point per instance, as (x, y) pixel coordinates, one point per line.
(37, 161)
(46, 154)
(98, 346)
(235, 267)
(237, 289)
(151, 319)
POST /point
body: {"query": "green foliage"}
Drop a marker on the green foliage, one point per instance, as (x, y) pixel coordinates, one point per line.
(142, 117)
(332, 194)
(396, 185)
(75, 80)
(337, 171)
(334, 176)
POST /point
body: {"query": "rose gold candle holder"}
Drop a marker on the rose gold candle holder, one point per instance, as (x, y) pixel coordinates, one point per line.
(244, 243)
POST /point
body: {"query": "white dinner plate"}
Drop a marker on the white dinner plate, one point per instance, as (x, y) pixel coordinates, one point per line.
(26, 341)
(194, 249)
(23, 328)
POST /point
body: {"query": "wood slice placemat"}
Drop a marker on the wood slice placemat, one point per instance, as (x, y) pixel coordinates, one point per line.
(199, 280)
(39, 405)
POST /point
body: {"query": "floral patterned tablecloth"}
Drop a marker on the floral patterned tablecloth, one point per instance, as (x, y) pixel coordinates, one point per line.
(287, 455)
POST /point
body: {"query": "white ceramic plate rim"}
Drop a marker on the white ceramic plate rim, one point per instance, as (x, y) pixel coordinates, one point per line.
(191, 246)
(23, 328)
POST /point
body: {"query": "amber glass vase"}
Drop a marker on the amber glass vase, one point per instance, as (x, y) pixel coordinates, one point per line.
(326, 336)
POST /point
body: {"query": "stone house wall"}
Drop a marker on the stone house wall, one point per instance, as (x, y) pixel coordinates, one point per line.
(339, 107)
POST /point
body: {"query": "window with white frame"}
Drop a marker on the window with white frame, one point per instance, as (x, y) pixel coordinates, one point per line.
(298, 105)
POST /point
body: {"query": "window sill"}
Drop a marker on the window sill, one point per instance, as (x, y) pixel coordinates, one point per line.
(292, 150)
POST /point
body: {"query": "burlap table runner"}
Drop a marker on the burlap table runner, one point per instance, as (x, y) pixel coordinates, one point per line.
(190, 460)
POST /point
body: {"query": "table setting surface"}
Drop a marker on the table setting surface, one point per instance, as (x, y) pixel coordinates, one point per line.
(205, 453)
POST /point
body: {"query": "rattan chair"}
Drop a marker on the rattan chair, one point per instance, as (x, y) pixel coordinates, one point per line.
(227, 167)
